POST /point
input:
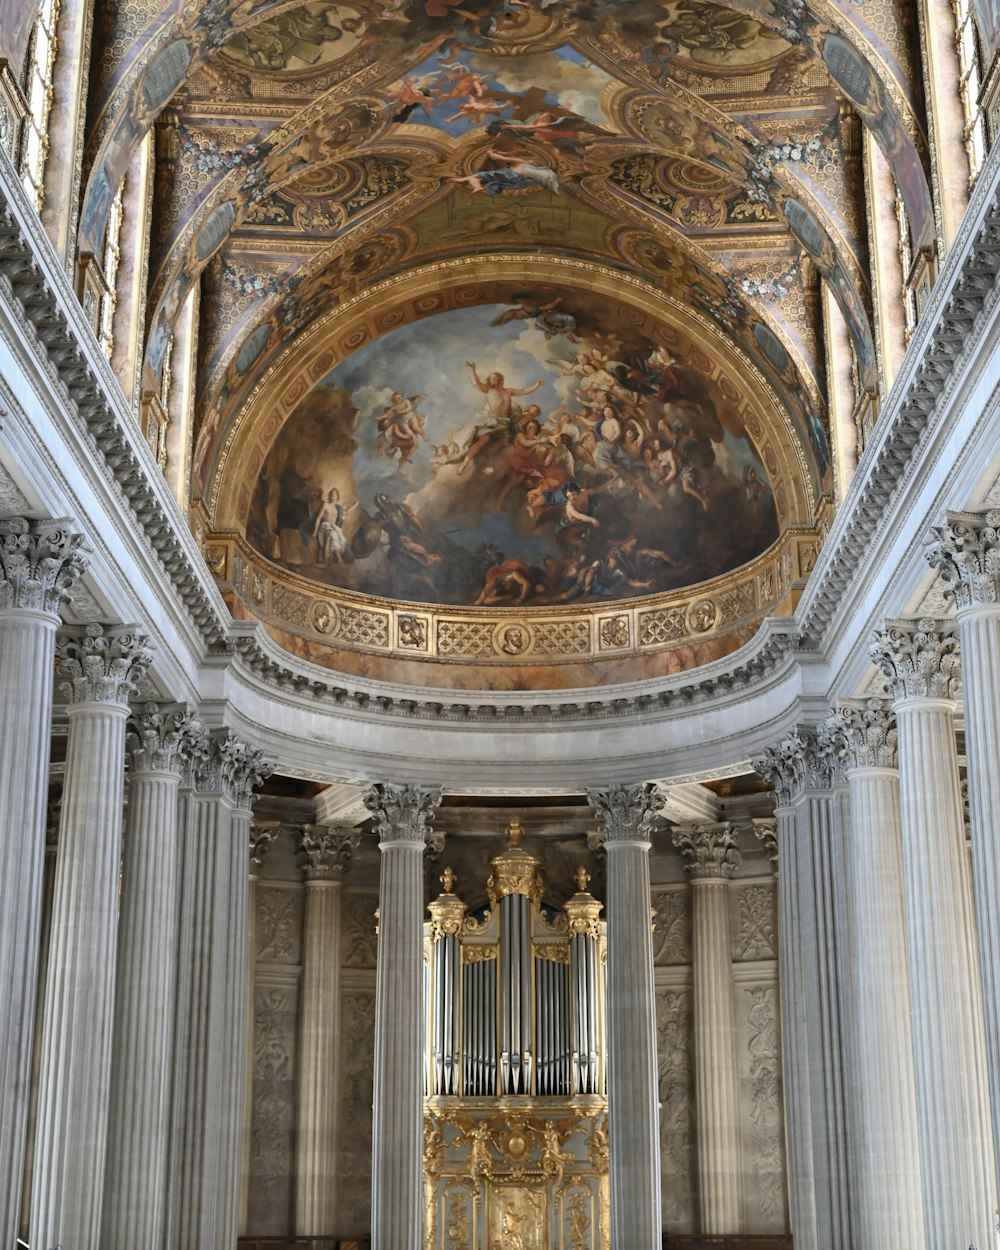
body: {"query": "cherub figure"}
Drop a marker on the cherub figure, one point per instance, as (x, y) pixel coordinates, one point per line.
(400, 428)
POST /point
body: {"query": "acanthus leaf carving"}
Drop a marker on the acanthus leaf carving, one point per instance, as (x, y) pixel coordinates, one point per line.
(160, 737)
(709, 850)
(966, 556)
(919, 658)
(625, 812)
(402, 812)
(102, 663)
(868, 730)
(233, 768)
(40, 563)
(327, 851)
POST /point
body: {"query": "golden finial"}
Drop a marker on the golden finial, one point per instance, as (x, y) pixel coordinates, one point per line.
(448, 880)
(582, 879)
(515, 833)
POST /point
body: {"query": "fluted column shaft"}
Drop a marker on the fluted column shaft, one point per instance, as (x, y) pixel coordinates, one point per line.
(633, 1076)
(949, 1055)
(822, 940)
(38, 565)
(980, 634)
(210, 1057)
(397, 1113)
(794, 1037)
(889, 1199)
(712, 857)
(136, 1170)
(72, 1118)
(325, 853)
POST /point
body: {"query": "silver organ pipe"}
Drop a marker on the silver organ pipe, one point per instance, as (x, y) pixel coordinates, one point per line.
(513, 996)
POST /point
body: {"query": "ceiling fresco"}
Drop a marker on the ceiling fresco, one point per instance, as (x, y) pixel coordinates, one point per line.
(530, 451)
(630, 213)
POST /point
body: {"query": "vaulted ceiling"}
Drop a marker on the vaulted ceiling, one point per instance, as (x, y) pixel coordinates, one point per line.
(327, 174)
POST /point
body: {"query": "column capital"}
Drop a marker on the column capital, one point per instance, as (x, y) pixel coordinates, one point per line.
(625, 812)
(765, 829)
(326, 851)
(262, 834)
(802, 760)
(402, 812)
(102, 663)
(159, 736)
(867, 732)
(965, 554)
(711, 852)
(918, 658)
(40, 562)
(233, 768)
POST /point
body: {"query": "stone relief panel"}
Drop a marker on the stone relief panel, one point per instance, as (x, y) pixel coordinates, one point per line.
(354, 1100)
(762, 1109)
(279, 924)
(755, 922)
(673, 1026)
(358, 937)
(672, 934)
(272, 1129)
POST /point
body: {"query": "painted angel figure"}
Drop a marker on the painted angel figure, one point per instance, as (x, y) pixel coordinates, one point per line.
(400, 428)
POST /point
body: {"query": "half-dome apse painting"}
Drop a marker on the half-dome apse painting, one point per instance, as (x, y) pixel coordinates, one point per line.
(538, 450)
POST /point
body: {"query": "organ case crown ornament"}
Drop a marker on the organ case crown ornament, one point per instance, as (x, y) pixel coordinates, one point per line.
(516, 1112)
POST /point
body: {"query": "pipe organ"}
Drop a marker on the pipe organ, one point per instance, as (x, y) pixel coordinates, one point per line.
(515, 1150)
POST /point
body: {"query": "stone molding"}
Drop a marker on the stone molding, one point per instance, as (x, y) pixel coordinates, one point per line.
(402, 812)
(102, 663)
(625, 813)
(867, 730)
(966, 556)
(160, 736)
(918, 658)
(765, 829)
(40, 562)
(709, 851)
(232, 768)
(327, 851)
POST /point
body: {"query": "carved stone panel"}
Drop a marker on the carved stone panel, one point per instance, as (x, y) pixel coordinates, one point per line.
(279, 924)
(354, 1100)
(762, 1109)
(672, 931)
(272, 1126)
(673, 1027)
(358, 937)
(755, 922)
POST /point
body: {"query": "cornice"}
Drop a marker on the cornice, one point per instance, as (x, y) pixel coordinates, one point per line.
(965, 294)
(33, 282)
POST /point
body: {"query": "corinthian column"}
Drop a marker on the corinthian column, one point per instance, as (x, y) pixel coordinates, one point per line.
(401, 814)
(967, 556)
(813, 941)
(890, 1210)
(136, 1171)
(39, 563)
(100, 666)
(326, 854)
(712, 856)
(625, 813)
(210, 1058)
(919, 659)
